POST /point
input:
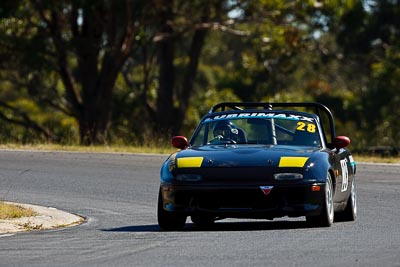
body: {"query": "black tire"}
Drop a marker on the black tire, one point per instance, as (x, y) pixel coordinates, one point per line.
(326, 217)
(350, 212)
(202, 220)
(169, 221)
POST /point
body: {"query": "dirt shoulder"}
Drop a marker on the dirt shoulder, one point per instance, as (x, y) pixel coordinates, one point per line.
(46, 218)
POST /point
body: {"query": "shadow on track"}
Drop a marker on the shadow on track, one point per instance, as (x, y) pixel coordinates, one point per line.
(219, 226)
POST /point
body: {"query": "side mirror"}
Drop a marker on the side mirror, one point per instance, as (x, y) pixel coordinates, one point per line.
(180, 142)
(341, 142)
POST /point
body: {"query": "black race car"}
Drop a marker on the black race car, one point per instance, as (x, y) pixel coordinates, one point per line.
(259, 160)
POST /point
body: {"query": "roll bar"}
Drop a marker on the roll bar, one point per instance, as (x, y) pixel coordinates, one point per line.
(318, 108)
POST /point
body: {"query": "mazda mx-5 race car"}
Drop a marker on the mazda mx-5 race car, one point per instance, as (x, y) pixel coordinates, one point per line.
(259, 160)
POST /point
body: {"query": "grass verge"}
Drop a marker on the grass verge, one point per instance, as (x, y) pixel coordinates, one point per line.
(9, 211)
(95, 148)
(376, 159)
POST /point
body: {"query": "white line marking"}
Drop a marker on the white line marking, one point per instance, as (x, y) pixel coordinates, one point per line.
(6, 235)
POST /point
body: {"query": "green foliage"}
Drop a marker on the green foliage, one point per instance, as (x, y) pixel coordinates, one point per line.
(20, 105)
(371, 43)
(382, 99)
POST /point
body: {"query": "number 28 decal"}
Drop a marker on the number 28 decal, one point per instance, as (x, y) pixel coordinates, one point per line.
(302, 126)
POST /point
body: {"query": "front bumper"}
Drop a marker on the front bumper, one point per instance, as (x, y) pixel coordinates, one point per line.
(244, 201)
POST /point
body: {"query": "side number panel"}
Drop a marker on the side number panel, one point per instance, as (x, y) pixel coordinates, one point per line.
(345, 175)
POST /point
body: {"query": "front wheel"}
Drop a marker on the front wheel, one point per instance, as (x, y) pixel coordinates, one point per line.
(325, 219)
(167, 220)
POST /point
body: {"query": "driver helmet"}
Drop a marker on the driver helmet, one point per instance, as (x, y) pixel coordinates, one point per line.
(226, 129)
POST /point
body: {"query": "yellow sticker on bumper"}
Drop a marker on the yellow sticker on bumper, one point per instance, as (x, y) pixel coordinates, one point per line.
(190, 162)
(292, 161)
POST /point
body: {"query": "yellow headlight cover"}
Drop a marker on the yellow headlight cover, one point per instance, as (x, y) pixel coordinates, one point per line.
(292, 161)
(190, 162)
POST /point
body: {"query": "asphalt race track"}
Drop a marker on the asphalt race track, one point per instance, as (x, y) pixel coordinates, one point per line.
(117, 193)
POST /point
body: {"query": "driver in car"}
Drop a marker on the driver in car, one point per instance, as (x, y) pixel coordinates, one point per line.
(225, 131)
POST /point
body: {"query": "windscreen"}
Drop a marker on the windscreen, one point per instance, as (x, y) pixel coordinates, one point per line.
(258, 128)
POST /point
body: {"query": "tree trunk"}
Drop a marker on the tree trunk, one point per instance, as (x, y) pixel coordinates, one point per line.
(165, 107)
(190, 75)
(97, 102)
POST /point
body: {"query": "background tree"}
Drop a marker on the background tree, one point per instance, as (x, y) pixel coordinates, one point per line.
(137, 72)
(370, 35)
(86, 43)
